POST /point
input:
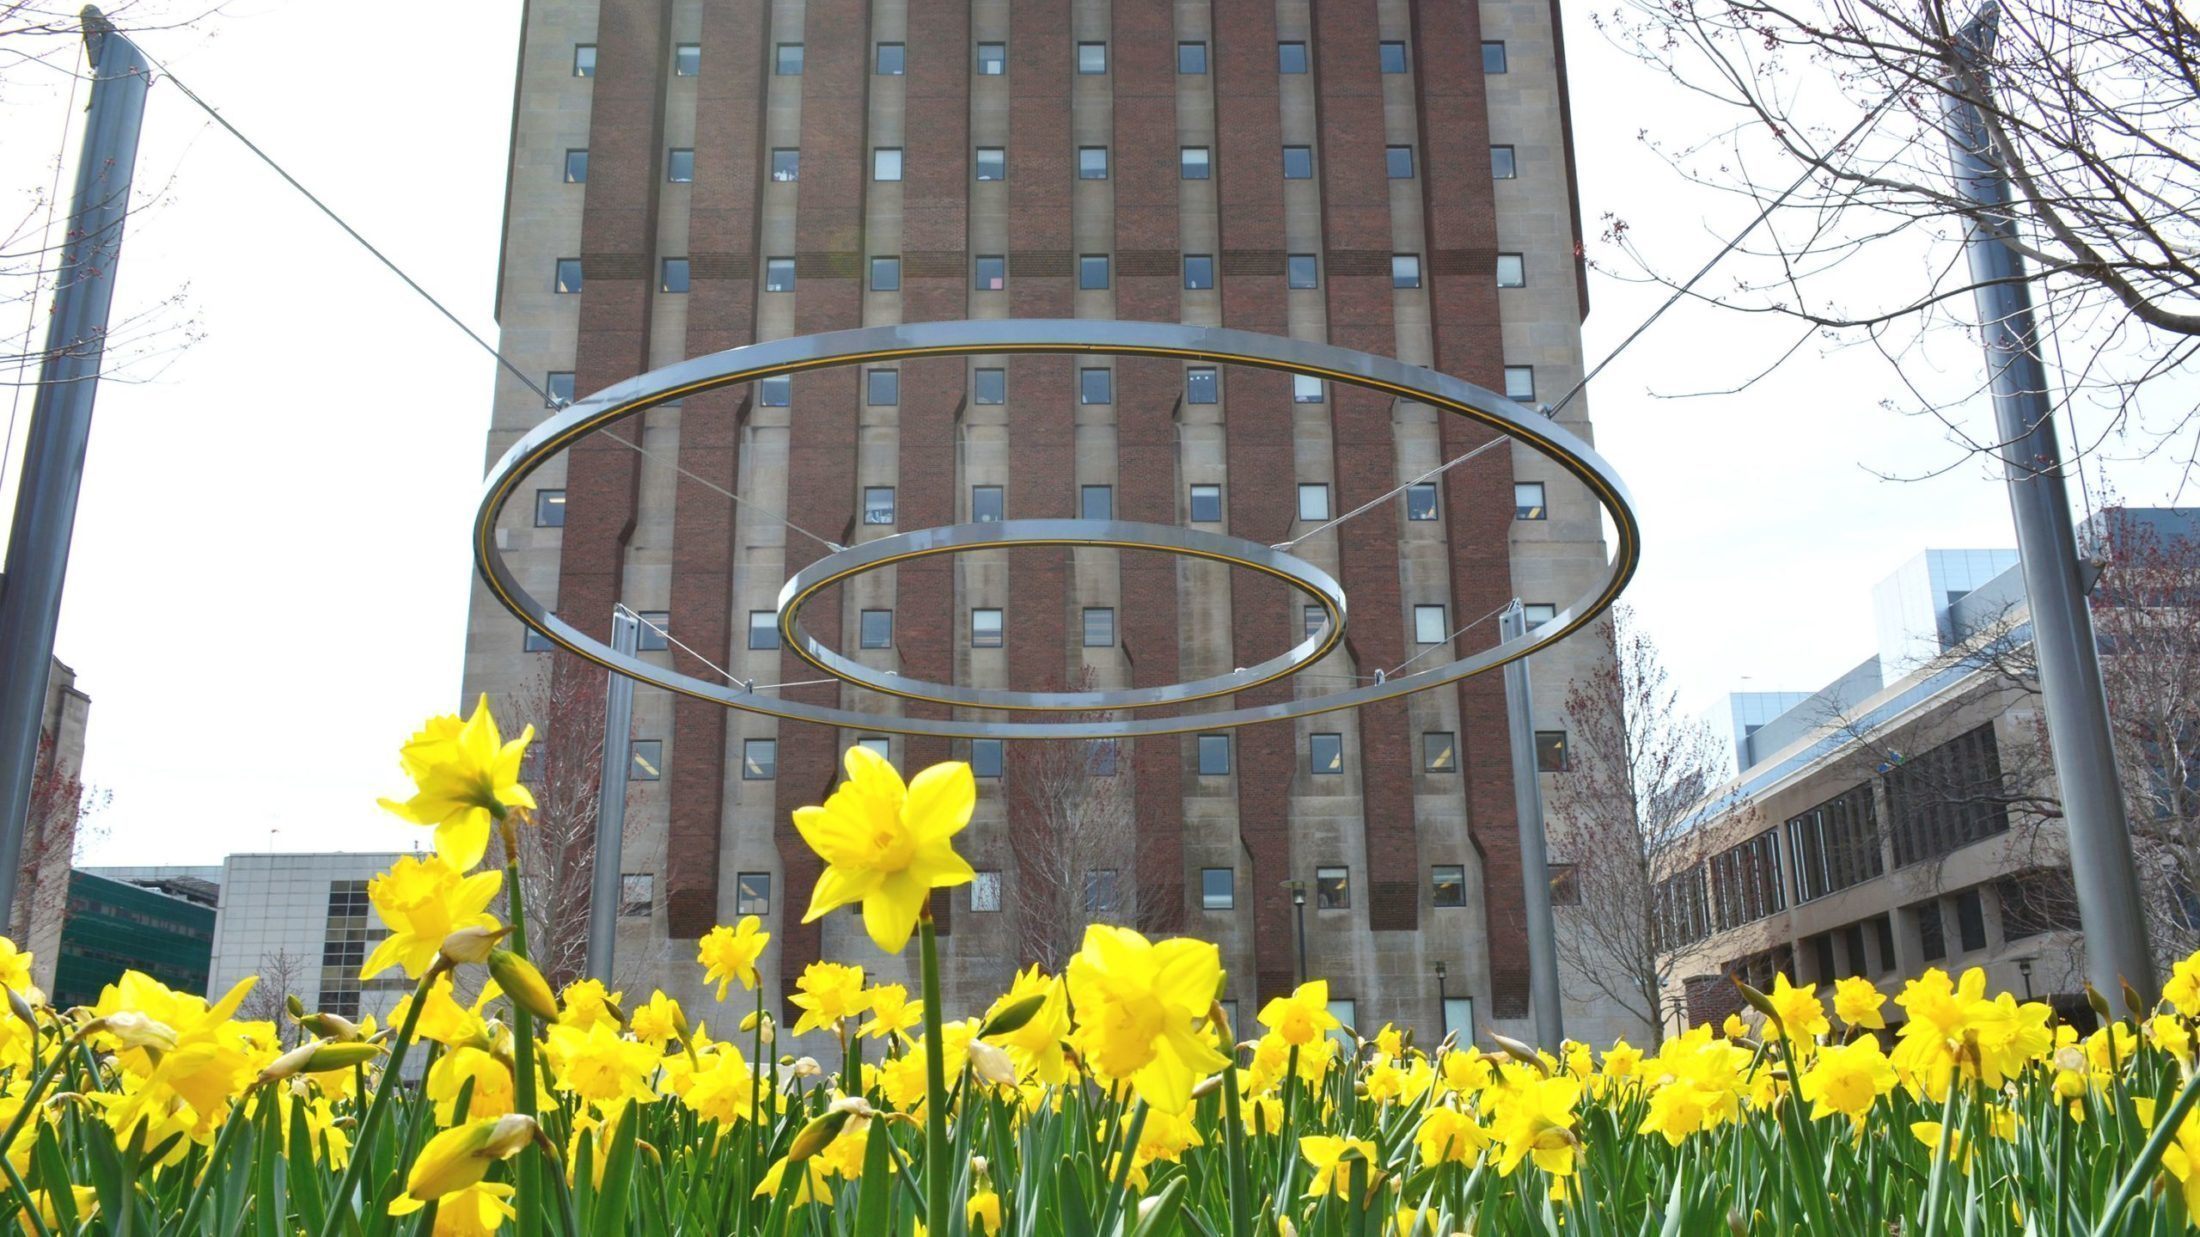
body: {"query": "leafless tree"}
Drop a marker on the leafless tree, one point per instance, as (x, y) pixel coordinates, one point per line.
(60, 819)
(1641, 776)
(1830, 119)
(282, 975)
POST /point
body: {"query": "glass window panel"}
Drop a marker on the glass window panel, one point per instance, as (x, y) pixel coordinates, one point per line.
(1565, 885)
(1217, 889)
(786, 164)
(1332, 889)
(1092, 58)
(1199, 271)
(1191, 57)
(879, 744)
(1439, 752)
(1448, 885)
(560, 386)
(985, 757)
(990, 275)
(878, 504)
(675, 278)
(637, 894)
(1550, 751)
(1103, 895)
(584, 60)
(1429, 625)
(882, 387)
(787, 62)
(1092, 163)
(1201, 385)
(1194, 163)
(990, 386)
(1214, 755)
(648, 760)
(680, 166)
(752, 893)
(891, 59)
(1298, 163)
(763, 629)
(759, 760)
(569, 275)
(1528, 500)
(886, 163)
(1313, 619)
(877, 629)
(985, 629)
(1537, 613)
(654, 633)
(1290, 57)
(992, 163)
(988, 503)
(1459, 1018)
(1493, 57)
(576, 167)
(985, 892)
(1099, 627)
(1421, 500)
(779, 274)
(687, 59)
(549, 508)
(1398, 161)
(1206, 504)
(1303, 271)
(776, 392)
(1502, 164)
(992, 59)
(1405, 270)
(1520, 383)
(1306, 389)
(1512, 271)
(1096, 502)
(1325, 754)
(886, 274)
(1095, 386)
(1313, 501)
(1393, 57)
(1092, 272)
(532, 641)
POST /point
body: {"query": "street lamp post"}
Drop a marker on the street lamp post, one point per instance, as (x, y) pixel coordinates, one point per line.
(1443, 1003)
(2024, 971)
(1298, 906)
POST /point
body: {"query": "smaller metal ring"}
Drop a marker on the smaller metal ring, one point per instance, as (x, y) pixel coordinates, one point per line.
(1082, 534)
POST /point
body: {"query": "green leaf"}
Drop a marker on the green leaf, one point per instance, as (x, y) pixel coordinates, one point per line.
(610, 1216)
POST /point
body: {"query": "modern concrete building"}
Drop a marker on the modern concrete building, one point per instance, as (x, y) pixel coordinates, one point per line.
(1385, 175)
(302, 923)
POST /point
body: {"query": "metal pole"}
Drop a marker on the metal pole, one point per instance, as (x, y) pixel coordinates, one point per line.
(2075, 704)
(61, 421)
(618, 723)
(1298, 902)
(1535, 860)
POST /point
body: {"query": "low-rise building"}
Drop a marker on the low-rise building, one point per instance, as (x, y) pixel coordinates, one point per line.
(111, 926)
(302, 923)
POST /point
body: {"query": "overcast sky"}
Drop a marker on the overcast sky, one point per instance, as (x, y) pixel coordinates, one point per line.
(270, 574)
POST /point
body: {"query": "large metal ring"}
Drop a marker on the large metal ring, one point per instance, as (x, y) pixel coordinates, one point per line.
(1102, 337)
(1087, 534)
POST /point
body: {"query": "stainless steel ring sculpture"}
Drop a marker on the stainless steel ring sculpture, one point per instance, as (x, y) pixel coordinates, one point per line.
(874, 345)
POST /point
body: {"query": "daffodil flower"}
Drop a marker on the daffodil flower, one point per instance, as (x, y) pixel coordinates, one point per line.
(888, 845)
(465, 776)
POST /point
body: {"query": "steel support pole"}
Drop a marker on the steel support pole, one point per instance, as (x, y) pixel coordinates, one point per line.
(2072, 697)
(61, 422)
(1535, 859)
(618, 724)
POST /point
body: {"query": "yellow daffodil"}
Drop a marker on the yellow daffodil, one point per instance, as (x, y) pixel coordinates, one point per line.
(479, 1210)
(458, 1158)
(984, 1213)
(1847, 1079)
(1139, 1004)
(893, 1013)
(828, 994)
(2183, 989)
(1449, 1134)
(727, 954)
(599, 1064)
(1735, 1027)
(723, 1089)
(1534, 1117)
(15, 967)
(1856, 1001)
(587, 1003)
(2181, 1159)
(1036, 1046)
(465, 776)
(1331, 1159)
(1304, 1014)
(83, 1200)
(422, 901)
(659, 1021)
(1801, 1013)
(888, 845)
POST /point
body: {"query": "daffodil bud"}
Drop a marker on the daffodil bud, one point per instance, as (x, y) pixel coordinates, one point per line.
(1013, 1016)
(2099, 1003)
(341, 1056)
(992, 1064)
(460, 1156)
(822, 1129)
(21, 1006)
(1761, 1003)
(523, 984)
(1522, 1053)
(290, 1063)
(472, 945)
(296, 1007)
(1284, 1227)
(807, 1067)
(512, 1132)
(135, 1030)
(333, 1027)
(2132, 1002)
(1207, 1086)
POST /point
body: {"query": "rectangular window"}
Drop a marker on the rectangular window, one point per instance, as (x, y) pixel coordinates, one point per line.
(1459, 1018)
(1306, 389)
(985, 629)
(1302, 270)
(992, 59)
(752, 893)
(1099, 627)
(1332, 889)
(1102, 894)
(532, 641)
(680, 166)
(584, 60)
(1932, 933)
(1429, 625)
(991, 275)
(1746, 880)
(1191, 57)
(1439, 752)
(877, 629)
(1448, 885)
(763, 629)
(1096, 502)
(892, 60)
(886, 163)
(637, 894)
(985, 892)
(1393, 57)
(886, 274)
(1528, 501)
(776, 392)
(787, 60)
(989, 386)
(1949, 797)
(1520, 383)
(1502, 164)
(988, 503)
(549, 508)
(1199, 271)
(1512, 271)
(648, 760)
(1405, 270)
(1092, 163)
(1214, 755)
(1551, 755)
(779, 274)
(878, 504)
(653, 632)
(992, 163)
(1313, 500)
(1883, 928)
(674, 277)
(2034, 902)
(1536, 613)
(1325, 755)
(1092, 272)
(880, 744)
(576, 167)
(985, 758)
(1971, 920)
(1217, 889)
(882, 387)
(1312, 620)
(786, 164)
(569, 275)
(1206, 504)
(559, 383)
(1398, 161)
(1092, 58)
(1566, 885)
(1194, 163)
(1201, 385)
(1421, 500)
(759, 760)
(687, 59)
(1095, 386)
(1298, 163)
(1493, 56)
(1290, 57)
(1835, 844)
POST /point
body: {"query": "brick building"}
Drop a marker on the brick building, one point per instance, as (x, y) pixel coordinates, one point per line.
(1379, 174)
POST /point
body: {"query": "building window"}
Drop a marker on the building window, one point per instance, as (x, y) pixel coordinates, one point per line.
(752, 893)
(992, 59)
(1528, 501)
(1092, 272)
(876, 630)
(786, 164)
(1746, 882)
(1092, 58)
(1429, 625)
(648, 757)
(1459, 1018)
(1971, 920)
(653, 631)
(1103, 895)
(569, 275)
(1290, 57)
(1421, 500)
(1095, 386)
(637, 890)
(1101, 757)
(675, 275)
(1313, 500)
(992, 163)
(1202, 385)
(2035, 902)
(891, 62)
(1520, 383)
(1502, 164)
(1551, 753)
(776, 392)
(1099, 627)
(1566, 885)
(878, 504)
(1096, 502)
(1439, 752)
(759, 760)
(549, 508)
(886, 274)
(1191, 57)
(985, 892)
(985, 758)
(1493, 57)
(886, 163)
(1393, 57)
(1835, 844)
(687, 59)
(1194, 163)
(1405, 270)
(1206, 504)
(1217, 889)
(985, 629)
(1325, 754)
(1512, 271)
(763, 629)
(787, 60)
(558, 383)
(1536, 613)
(584, 60)
(882, 387)
(990, 275)
(1448, 885)
(1332, 889)
(1214, 755)
(680, 166)
(1946, 798)
(532, 641)
(576, 167)
(988, 503)
(879, 745)
(1932, 933)
(1398, 161)
(779, 274)
(989, 386)
(1313, 619)
(1298, 163)
(1302, 270)
(1306, 389)
(1199, 271)
(1092, 163)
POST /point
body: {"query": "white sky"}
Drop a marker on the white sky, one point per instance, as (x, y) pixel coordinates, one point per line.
(270, 573)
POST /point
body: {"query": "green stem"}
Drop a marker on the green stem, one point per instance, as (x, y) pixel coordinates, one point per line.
(2165, 1130)
(341, 1202)
(936, 1213)
(30, 1102)
(529, 1180)
(1233, 1125)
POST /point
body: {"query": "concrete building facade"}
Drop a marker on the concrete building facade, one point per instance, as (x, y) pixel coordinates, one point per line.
(1380, 174)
